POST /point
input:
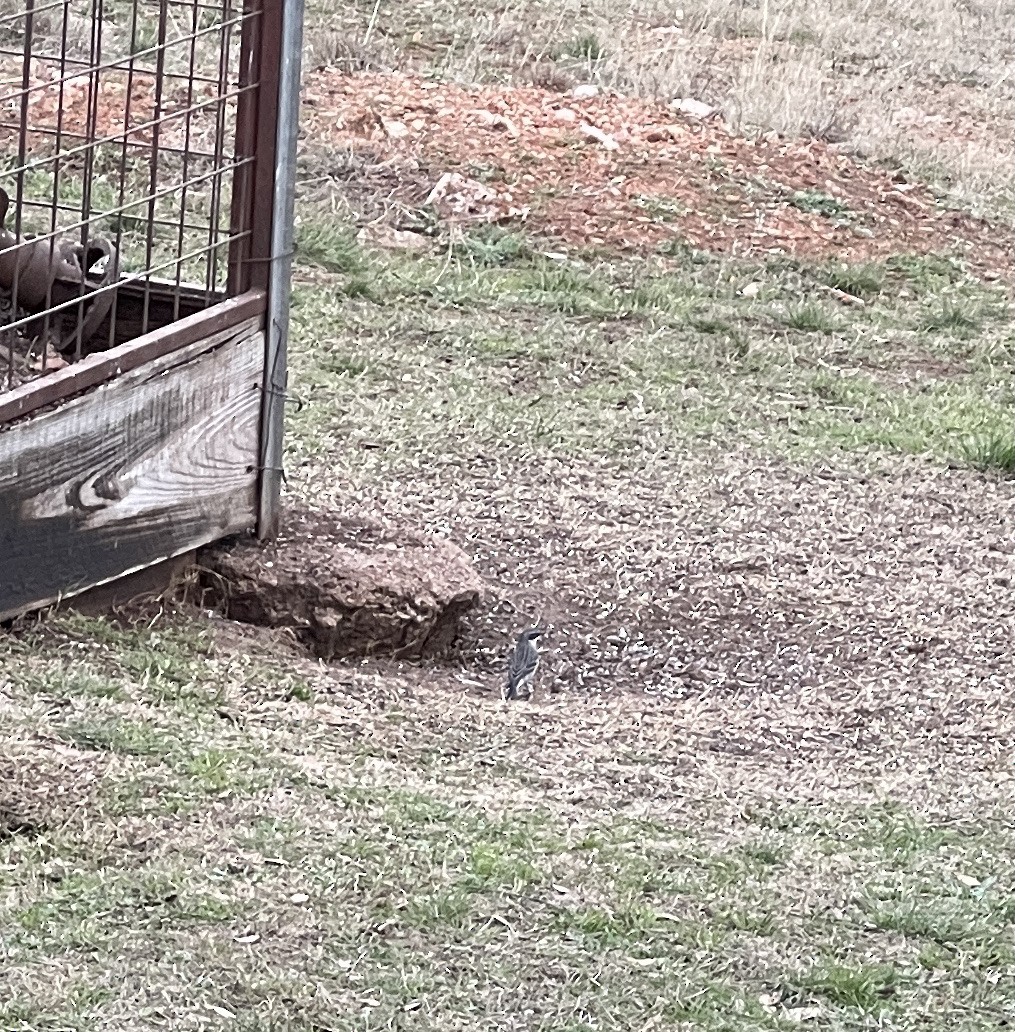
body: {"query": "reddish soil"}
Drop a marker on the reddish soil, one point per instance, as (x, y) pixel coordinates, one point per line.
(661, 176)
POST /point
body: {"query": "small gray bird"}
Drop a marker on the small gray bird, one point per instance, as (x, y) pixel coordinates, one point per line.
(522, 665)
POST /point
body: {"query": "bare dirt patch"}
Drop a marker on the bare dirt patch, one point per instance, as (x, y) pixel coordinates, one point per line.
(633, 174)
(749, 579)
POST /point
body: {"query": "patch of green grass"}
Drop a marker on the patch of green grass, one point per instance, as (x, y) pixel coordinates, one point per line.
(867, 988)
(814, 202)
(865, 280)
(491, 864)
(635, 356)
(167, 662)
(713, 324)
(90, 685)
(764, 853)
(928, 273)
(810, 318)
(218, 770)
(858, 411)
(90, 910)
(585, 47)
(429, 894)
(19, 1016)
(898, 836)
(991, 450)
(344, 365)
(567, 289)
(329, 246)
(945, 921)
(298, 689)
(961, 320)
(493, 246)
(446, 908)
(128, 738)
(752, 921)
(53, 678)
(619, 925)
(360, 285)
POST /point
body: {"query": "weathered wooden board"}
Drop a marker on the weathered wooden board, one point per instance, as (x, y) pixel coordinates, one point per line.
(158, 461)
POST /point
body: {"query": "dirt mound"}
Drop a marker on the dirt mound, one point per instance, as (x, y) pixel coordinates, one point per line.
(632, 174)
(348, 587)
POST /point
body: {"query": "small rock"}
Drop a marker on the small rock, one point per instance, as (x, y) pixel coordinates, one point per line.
(585, 91)
(396, 130)
(605, 139)
(565, 115)
(505, 124)
(693, 108)
(496, 120)
(803, 1013)
(666, 132)
(751, 290)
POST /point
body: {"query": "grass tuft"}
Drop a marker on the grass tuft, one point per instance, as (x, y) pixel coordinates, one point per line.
(494, 246)
(813, 202)
(127, 738)
(867, 988)
(865, 281)
(992, 450)
(586, 47)
(810, 318)
(960, 320)
(330, 247)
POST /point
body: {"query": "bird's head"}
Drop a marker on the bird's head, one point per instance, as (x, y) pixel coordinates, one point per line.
(534, 632)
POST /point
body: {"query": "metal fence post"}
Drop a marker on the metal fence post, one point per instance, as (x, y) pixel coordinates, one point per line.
(279, 285)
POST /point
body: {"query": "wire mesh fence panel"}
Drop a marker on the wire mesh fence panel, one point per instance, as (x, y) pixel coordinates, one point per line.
(126, 153)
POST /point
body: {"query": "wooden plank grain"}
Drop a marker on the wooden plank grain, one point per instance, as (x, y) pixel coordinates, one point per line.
(147, 466)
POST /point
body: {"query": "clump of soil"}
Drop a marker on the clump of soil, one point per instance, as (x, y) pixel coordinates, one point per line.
(347, 587)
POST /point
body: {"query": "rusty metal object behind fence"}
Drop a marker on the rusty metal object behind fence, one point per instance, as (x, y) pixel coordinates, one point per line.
(44, 273)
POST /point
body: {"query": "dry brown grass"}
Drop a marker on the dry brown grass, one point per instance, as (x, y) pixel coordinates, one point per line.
(767, 771)
(211, 831)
